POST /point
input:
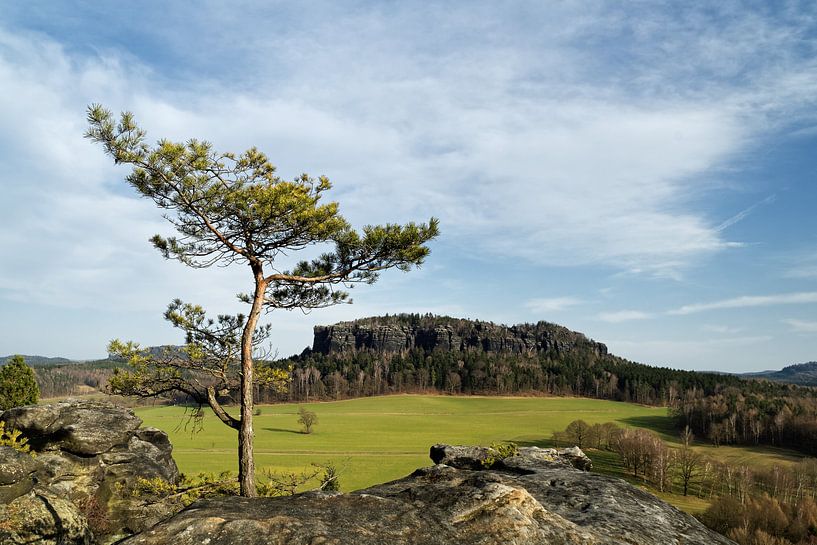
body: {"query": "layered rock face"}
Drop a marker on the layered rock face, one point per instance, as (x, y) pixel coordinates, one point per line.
(536, 497)
(395, 335)
(84, 452)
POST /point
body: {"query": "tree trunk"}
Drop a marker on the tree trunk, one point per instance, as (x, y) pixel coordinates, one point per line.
(246, 462)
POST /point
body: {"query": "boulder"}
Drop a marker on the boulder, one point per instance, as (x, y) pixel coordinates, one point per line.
(535, 497)
(16, 471)
(85, 452)
(40, 518)
(471, 457)
(85, 428)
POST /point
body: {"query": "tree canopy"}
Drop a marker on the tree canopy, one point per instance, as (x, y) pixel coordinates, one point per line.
(18, 384)
(227, 209)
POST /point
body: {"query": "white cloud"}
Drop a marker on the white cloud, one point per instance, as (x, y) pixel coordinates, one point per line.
(553, 304)
(623, 316)
(801, 326)
(724, 329)
(747, 301)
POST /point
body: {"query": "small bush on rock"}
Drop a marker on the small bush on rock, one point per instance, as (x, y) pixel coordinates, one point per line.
(14, 439)
(498, 452)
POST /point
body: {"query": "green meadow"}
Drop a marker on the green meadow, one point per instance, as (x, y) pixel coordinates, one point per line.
(378, 439)
(373, 440)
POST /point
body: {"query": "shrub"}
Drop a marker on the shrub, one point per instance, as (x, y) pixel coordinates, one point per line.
(498, 452)
(307, 419)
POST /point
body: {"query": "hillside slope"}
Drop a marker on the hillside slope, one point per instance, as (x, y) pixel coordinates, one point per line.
(804, 374)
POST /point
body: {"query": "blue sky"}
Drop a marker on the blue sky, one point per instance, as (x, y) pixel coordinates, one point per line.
(643, 172)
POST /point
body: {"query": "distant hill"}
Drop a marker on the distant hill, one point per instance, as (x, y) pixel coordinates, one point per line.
(803, 374)
(409, 353)
(38, 361)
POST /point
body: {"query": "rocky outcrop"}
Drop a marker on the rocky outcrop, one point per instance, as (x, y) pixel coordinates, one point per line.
(535, 497)
(470, 457)
(42, 518)
(400, 333)
(85, 452)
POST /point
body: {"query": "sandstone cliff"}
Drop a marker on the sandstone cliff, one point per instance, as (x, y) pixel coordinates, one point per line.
(406, 332)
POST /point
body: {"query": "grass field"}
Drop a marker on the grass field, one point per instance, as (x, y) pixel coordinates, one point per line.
(382, 438)
(373, 440)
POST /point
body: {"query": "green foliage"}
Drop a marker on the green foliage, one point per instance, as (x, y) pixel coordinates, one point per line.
(14, 439)
(208, 485)
(498, 452)
(18, 384)
(185, 491)
(330, 480)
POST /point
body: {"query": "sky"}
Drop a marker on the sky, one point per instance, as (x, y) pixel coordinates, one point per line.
(642, 172)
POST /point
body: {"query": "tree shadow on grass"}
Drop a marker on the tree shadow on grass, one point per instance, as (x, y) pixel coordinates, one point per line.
(665, 425)
(282, 430)
(541, 442)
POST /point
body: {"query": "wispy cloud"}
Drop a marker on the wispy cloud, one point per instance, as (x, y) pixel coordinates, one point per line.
(801, 326)
(749, 301)
(624, 316)
(740, 216)
(803, 265)
(554, 304)
(724, 329)
(803, 271)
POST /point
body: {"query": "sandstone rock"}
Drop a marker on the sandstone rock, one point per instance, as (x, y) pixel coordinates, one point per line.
(40, 518)
(459, 456)
(16, 470)
(448, 334)
(85, 451)
(536, 497)
(84, 427)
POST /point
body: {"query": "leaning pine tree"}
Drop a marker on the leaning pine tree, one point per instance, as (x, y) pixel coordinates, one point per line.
(229, 209)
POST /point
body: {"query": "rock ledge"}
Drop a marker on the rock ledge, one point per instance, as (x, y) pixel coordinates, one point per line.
(536, 497)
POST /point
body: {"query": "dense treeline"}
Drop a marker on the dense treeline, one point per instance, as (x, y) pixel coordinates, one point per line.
(756, 412)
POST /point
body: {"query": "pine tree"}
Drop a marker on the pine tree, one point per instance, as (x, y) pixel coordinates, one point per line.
(233, 209)
(18, 384)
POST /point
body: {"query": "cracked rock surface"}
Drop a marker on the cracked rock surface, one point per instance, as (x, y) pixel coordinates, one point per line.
(67, 494)
(537, 497)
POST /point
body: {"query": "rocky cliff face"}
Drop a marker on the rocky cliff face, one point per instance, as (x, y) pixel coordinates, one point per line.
(536, 497)
(400, 333)
(84, 451)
